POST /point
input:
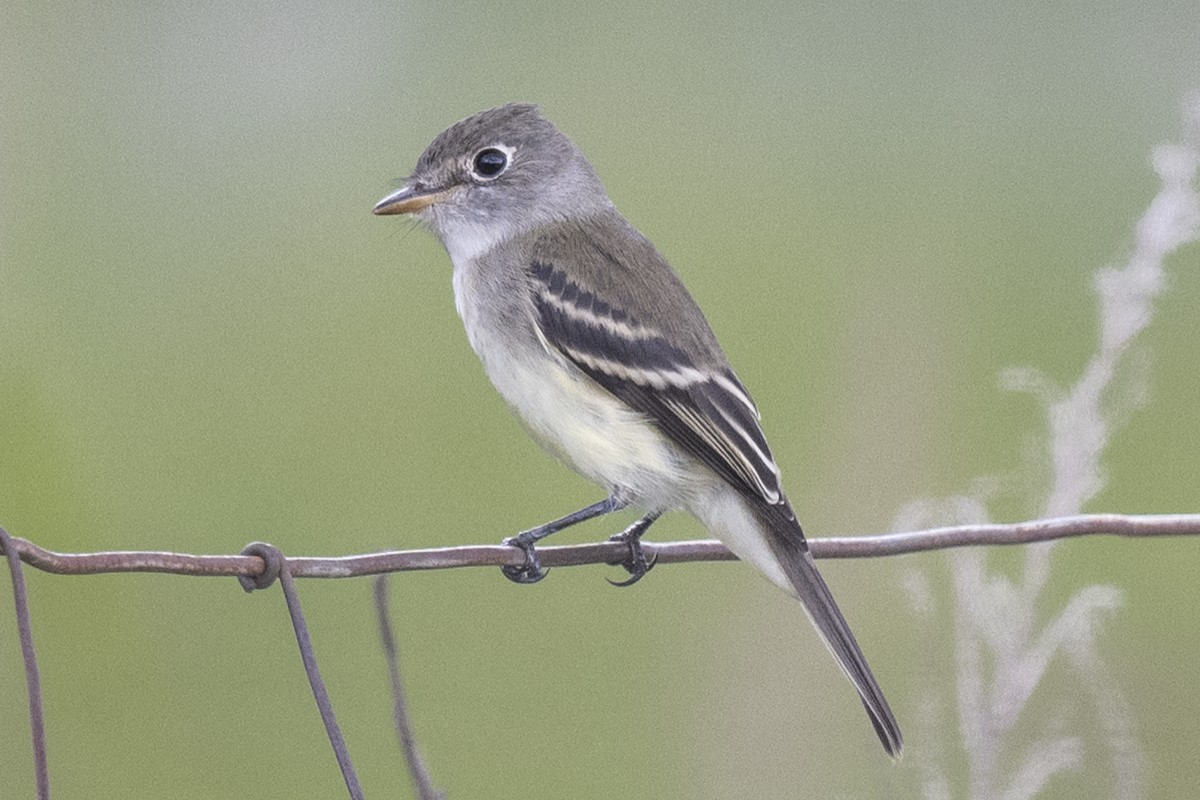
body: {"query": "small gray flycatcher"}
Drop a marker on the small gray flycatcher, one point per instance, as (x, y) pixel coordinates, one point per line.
(592, 338)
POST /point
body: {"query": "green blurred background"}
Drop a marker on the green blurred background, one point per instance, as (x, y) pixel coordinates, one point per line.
(206, 338)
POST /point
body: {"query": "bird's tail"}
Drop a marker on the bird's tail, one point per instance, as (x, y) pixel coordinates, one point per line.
(787, 544)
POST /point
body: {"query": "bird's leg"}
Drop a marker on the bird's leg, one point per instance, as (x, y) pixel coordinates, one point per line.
(635, 563)
(531, 571)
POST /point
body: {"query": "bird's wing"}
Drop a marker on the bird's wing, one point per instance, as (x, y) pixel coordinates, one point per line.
(703, 409)
(695, 399)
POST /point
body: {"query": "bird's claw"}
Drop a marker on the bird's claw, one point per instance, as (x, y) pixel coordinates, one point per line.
(529, 572)
(636, 563)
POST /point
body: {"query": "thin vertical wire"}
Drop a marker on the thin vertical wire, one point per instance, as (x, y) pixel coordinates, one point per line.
(276, 565)
(33, 680)
(400, 717)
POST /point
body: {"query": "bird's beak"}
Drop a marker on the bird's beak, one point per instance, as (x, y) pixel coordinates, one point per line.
(409, 198)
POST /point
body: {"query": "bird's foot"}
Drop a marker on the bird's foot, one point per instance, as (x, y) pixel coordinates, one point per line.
(636, 563)
(529, 572)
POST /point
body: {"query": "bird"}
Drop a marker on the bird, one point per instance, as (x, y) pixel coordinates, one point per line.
(592, 338)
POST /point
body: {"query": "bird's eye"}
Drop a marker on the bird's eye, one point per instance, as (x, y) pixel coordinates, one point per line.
(489, 163)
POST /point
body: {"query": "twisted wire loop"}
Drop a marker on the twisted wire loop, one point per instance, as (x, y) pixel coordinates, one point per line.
(33, 679)
(400, 717)
(275, 567)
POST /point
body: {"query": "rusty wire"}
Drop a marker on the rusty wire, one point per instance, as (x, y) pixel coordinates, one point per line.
(872, 546)
(259, 565)
(33, 679)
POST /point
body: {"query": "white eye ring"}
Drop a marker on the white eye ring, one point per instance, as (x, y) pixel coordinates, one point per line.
(491, 162)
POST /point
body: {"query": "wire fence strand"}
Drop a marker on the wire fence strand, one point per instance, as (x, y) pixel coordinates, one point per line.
(278, 567)
(33, 678)
(260, 565)
(871, 546)
(400, 717)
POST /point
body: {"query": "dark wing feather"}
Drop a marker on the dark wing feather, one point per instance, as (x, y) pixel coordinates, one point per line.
(706, 412)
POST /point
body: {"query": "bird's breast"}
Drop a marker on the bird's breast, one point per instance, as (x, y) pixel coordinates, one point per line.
(565, 410)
